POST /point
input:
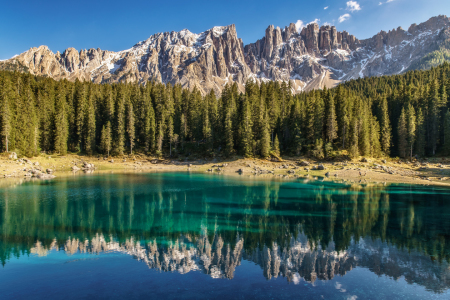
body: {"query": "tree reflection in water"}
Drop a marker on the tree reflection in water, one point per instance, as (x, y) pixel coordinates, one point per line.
(180, 223)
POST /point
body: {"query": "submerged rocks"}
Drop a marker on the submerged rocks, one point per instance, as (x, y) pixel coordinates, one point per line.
(87, 166)
(45, 176)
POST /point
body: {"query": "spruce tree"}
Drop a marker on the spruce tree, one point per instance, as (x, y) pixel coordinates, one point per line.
(27, 123)
(298, 139)
(183, 130)
(276, 146)
(6, 95)
(402, 134)
(354, 139)
(61, 129)
(446, 129)
(160, 138)
(89, 132)
(120, 122)
(106, 138)
(229, 140)
(130, 126)
(420, 134)
(247, 134)
(375, 137)
(265, 141)
(149, 128)
(80, 114)
(433, 117)
(411, 128)
(207, 132)
(331, 125)
(385, 127)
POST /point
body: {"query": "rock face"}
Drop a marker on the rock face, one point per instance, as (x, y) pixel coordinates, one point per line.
(310, 58)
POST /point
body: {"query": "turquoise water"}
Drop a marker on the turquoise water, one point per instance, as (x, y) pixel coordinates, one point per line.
(196, 236)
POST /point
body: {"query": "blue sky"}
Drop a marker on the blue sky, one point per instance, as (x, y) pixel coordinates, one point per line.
(118, 25)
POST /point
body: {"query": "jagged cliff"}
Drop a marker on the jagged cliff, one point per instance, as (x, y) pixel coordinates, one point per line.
(310, 57)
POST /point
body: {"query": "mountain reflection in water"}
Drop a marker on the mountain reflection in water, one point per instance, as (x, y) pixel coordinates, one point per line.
(183, 223)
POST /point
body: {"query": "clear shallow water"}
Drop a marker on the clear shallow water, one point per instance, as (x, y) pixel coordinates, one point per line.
(179, 235)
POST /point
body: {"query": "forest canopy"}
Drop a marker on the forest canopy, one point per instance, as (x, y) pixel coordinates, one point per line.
(400, 115)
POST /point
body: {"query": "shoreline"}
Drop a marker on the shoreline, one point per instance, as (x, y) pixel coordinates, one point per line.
(364, 171)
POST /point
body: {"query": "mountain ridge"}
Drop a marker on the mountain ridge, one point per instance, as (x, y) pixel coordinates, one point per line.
(310, 58)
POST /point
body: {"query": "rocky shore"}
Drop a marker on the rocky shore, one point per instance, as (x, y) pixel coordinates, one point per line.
(362, 170)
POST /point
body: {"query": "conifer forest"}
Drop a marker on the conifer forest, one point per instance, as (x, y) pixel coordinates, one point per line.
(401, 115)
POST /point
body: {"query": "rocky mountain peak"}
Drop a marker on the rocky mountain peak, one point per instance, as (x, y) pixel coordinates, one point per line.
(315, 57)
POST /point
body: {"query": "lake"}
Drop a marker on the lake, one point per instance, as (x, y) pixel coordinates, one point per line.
(203, 236)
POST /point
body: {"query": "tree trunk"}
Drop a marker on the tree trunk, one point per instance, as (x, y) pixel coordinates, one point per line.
(411, 152)
(343, 137)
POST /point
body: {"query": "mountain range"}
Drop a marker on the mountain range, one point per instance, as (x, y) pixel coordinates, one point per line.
(309, 58)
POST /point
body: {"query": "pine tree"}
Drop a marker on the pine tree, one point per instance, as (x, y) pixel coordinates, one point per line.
(229, 140)
(354, 139)
(265, 141)
(318, 149)
(446, 142)
(276, 146)
(6, 96)
(411, 128)
(331, 125)
(89, 132)
(420, 134)
(149, 128)
(433, 117)
(207, 132)
(375, 137)
(319, 118)
(247, 134)
(385, 127)
(364, 132)
(28, 123)
(183, 130)
(120, 122)
(80, 114)
(130, 126)
(160, 138)
(297, 145)
(106, 138)
(311, 115)
(402, 134)
(61, 129)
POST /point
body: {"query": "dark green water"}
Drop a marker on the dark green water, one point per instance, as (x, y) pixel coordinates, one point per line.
(179, 235)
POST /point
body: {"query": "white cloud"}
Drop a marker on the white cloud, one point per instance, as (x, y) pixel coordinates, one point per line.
(327, 24)
(390, 1)
(344, 17)
(353, 6)
(381, 3)
(315, 21)
(299, 25)
(326, 7)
